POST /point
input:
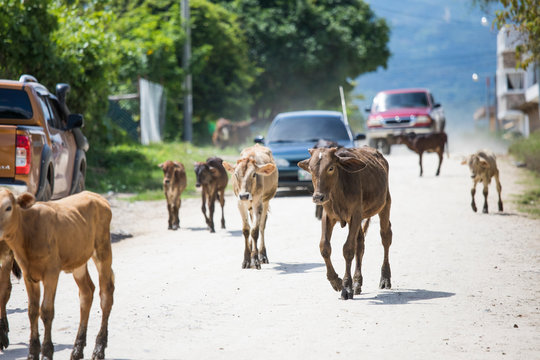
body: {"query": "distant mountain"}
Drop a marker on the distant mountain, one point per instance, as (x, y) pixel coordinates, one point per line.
(437, 44)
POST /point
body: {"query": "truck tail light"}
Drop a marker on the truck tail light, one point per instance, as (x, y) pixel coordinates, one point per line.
(22, 155)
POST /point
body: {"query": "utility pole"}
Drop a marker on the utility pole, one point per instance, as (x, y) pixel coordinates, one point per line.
(186, 59)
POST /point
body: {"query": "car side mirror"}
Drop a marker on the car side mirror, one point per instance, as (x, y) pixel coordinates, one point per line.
(368, 109)
(259, 140)
(360, 136)
(74, 121)
(437, 105)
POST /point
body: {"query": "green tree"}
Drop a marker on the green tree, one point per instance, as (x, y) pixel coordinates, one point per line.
(305, 49)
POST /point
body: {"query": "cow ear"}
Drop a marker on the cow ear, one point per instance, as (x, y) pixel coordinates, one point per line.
(464, 161)
(228, 167)
(214, 171)
(265, 169)
(483, 163)
(311, 151)
(26, 200)
(304, 164)
(161, 165)
(351, 164)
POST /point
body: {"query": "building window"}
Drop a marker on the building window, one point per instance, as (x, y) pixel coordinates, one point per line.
(514, 81)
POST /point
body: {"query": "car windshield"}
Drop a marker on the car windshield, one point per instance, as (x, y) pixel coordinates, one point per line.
(307, 128)
(14, 104)
(384, 102)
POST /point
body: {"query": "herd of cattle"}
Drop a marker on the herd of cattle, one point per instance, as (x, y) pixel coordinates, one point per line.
(350, 186)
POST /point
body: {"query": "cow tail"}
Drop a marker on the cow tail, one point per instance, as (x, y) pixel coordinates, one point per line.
(16, 270)
(366, 226)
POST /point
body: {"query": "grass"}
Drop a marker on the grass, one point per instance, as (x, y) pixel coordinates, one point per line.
(528, 152)
(133, 168)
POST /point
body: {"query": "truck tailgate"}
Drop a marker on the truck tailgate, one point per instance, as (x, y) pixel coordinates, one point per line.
(7, 151)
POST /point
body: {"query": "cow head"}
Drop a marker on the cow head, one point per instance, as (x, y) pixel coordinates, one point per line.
(205, 173)
(477, 164)
(325, 166)
(171, 169)
(246, 173)
(9, 209)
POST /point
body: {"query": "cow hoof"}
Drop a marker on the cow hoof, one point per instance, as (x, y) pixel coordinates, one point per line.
(99, 352)
(485, 210)
(212, 230)
(245, 264)
(385, 283)
(347, 294)
(169, 228)
(264, 259)
(500, 207)
(474, 208)
(255, 264)
(337, 284)
(175, 227)
(357, 288)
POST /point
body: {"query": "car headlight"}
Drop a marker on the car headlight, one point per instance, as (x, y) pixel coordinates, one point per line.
(375, 121)
(281, 162)
(423, 119)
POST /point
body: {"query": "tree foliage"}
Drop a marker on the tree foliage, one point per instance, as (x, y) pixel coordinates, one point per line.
(305, 49)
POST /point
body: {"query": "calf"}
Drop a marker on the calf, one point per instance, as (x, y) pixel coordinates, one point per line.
(212, 176)
(322, 143)
(174, 183)
(62, 235)
(7, 265)
(483, 166)
(351, 185)
(228, 133)
(255, 182)
(432, 142)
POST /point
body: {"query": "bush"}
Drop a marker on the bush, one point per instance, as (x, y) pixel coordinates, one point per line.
(528, 151)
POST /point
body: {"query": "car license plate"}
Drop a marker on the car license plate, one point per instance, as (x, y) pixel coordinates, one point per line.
(303, 175)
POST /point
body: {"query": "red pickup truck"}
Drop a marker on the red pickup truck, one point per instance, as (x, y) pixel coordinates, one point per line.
(42, 147)
(399, 111)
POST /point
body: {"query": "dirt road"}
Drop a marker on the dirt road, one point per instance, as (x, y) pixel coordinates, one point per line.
(465, 285)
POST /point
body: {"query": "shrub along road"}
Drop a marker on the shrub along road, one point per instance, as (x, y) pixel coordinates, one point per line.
(464, 283)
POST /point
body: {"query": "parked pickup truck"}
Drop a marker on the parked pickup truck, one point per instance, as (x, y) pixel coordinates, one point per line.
(401, 111)
(42, 147)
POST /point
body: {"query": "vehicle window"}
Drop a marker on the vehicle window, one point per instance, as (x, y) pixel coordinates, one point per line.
(47, 112)
(57, 113)
(384, 102)
(308, 128)
(15, 104)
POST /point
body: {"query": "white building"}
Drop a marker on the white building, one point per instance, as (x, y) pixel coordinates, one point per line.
(517, 89)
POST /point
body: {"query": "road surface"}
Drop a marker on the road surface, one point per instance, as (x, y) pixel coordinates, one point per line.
(465, 285)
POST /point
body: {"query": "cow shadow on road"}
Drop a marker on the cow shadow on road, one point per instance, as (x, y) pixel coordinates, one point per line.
(405, 296)
(13, 353)
(296, 268)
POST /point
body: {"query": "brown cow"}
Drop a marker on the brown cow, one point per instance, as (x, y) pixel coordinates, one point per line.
(212, 176)
(420, 143)
(351, 185)
(322, 143)
(174, 183)
(62, 235)
(7, 265)
(228, 133)
(483, 166)
(255, 182)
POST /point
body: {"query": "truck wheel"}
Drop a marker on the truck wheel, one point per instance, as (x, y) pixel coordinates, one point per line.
(47, 191)
(373, 143)
(383, 146)
(80, 183)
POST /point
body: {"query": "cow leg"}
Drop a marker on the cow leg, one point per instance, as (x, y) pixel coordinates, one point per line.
(34, 293)
(360, 246)
(222, 203)
(326, 252)
(6, 261)
(420, 162)
(440, 153)
(473, 192)
(262, 247)
(485, 192)
(245, 232)
(499, 188)
(103, 261)
(211, 207)
(176, 210)
(386, 238)
(86, 296)
(355, 227)
(170, 211)
(255, 263)
(50, 283)
(318, 211)
(203, 208)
